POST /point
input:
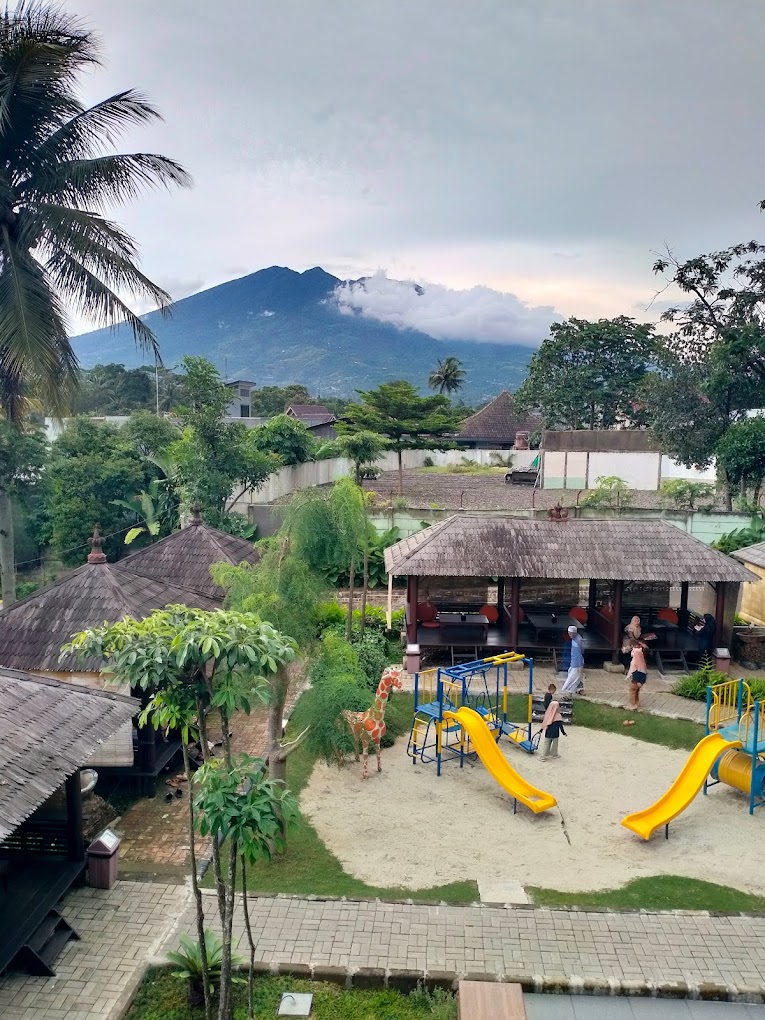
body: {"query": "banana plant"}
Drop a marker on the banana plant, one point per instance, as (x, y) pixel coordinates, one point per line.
(155, 506)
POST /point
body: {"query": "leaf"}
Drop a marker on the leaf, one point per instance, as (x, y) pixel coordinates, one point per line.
(134, 533)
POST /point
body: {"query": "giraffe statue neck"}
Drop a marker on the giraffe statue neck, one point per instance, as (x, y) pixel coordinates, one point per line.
(383, 690)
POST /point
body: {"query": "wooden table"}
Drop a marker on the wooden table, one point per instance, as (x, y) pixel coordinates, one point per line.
(466, 628)
(542, 623)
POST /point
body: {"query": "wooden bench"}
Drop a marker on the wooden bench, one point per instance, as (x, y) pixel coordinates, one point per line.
(490, 1000)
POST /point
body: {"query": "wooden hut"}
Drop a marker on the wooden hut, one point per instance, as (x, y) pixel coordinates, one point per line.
(548, 574)
(48, 730)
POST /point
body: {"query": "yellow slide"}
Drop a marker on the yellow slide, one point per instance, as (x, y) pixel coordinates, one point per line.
(497, 765)
(684, 789)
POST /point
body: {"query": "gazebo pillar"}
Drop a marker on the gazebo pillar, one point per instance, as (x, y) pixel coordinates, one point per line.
(719, 613)
(411, 609)
(501, 597)
(515, 605)
(683, 613)
(592, 596)
(74, 834)
(616, 633)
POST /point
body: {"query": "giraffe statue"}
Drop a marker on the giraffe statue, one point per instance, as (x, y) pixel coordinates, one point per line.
(370, 725)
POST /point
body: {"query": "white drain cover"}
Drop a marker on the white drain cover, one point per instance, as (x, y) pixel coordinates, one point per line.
(296, 1004)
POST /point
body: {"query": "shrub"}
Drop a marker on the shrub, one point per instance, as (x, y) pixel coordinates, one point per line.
(428, 462)
(694, 686)
(372, 651)
(330, 615)
(188, 961)
(24, 588)
(685, 495)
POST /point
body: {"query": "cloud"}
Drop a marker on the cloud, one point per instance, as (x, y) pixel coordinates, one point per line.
(476, 314)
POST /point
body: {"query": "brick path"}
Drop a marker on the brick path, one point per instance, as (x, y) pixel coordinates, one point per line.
(541, 946)
(96, 976)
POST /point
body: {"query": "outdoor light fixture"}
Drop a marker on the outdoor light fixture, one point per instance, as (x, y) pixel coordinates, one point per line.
(296, 1004)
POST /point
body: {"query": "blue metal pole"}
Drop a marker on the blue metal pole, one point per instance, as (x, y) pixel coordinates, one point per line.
(416, 690)
(754, 755)
(439, 725)
(531, 692)
(706, 728)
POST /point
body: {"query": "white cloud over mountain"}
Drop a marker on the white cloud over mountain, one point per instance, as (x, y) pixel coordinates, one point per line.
(446, 314)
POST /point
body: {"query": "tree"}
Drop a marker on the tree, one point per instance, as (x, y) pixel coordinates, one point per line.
(148, 435)
(157, 508)
(684, 495)
(741, 454)
(22, 454)
(586, 374)
(271, 400)
(408, 421)
(189, 663)
(88, 470)
(57, 248)
(610, 491)
(285, 437)
(217, 461)
(448, 376)
(363, 448)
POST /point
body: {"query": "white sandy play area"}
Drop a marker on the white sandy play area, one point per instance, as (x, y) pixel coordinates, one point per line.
(406, 827)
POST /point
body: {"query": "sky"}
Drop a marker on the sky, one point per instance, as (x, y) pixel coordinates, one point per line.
(523, 159)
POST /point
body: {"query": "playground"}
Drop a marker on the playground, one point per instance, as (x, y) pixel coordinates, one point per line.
(499, 815)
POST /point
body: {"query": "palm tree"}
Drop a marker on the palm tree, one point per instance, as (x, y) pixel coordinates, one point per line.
(448, 376)
(58, 251)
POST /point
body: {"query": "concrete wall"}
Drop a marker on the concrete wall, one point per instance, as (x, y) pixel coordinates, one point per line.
(640, 469)
(753, 597)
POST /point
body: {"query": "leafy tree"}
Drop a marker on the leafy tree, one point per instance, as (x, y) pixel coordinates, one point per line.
(190, 662)
(363, 448)
(684, 495)
(113, 389)
(609, 491)
(213, 457)
(740, 538)
(148, 435)
(448, 376)
(89, 469)
(586, 375)
(408, 421)
(156, 506)
(22, 455)
(271, 400)
(741, 454)
(286, 438)
(57, 248)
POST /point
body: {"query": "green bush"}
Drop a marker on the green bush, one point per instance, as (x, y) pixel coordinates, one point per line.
(330, 615)
(24, 588)
(372, 651)
(428, 462)
(694, 686)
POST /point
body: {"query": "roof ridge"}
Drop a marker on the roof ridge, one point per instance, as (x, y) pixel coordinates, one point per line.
(6, 673)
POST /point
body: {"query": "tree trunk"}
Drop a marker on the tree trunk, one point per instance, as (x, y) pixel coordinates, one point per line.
(351, 578)
(400, 473)
(7, 554)
(277, 767)
(200, 914)
(250, 942)
(365, 586)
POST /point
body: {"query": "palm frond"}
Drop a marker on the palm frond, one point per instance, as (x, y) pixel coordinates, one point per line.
(96, 301)
(103, 180)
(76, 229)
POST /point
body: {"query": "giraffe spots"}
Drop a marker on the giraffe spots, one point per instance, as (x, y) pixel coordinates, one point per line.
(370, 724)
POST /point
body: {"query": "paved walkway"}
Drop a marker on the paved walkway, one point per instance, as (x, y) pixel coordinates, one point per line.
(95, 977)
(544, 948)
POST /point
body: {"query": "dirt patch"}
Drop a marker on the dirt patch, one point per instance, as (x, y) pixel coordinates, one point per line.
(407, 827)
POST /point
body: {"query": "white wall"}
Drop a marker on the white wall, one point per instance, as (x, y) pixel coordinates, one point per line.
(643, 469)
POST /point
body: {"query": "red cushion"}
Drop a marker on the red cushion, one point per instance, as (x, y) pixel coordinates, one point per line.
(426, 611)
(670, 615)
(578, 613)
(490, 612)
(431, 623)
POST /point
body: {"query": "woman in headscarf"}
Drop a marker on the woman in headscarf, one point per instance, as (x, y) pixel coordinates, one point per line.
(552, 727)
(706, 629)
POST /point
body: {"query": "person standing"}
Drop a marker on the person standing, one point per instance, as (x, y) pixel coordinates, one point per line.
(552, 727)
(574, 682)
(638, 674)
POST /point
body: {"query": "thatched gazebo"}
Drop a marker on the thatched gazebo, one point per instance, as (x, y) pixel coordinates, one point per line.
(541, 569)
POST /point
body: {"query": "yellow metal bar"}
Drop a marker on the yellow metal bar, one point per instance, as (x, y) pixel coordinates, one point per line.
(503, 657)
(725, 705)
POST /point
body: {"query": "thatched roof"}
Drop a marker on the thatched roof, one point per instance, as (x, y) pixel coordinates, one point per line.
(33, 630)
(185, 557)
(48, 729)
(754, 554)
(630, 550)
(497, 422)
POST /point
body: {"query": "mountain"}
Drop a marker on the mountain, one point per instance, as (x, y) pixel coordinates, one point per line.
(278, 326)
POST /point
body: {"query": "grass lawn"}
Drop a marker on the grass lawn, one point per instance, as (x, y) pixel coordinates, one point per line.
(163, 997)
(661, 892)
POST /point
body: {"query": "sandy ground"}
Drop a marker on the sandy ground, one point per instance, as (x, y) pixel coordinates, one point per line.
(406, 827)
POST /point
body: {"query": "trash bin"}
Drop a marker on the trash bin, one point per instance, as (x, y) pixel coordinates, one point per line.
(412, 658)
(722, 659)
(103, 857)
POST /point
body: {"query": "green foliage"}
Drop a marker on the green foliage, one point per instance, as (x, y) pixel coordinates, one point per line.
(372, 652)
(23, 451)
(428, 462)
(740, 538)
(586, 375)
(188, 958)
(88, 471)
(236, 800)
(286, 438)
(281, 588)
(694, 686)
(448, 376)
(656, 892)
(162, 998)
(330, 616)
(147, 434)
(234, 523)
(156, 506)
(25, 588)
(684, 495)
(610, 491)
(364, 448)
(216, 460)
(741, 454)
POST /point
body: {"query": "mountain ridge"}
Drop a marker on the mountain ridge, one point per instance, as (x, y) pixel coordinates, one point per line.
(279, 326)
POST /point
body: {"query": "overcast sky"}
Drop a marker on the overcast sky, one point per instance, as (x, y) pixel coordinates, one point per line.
(542, 148)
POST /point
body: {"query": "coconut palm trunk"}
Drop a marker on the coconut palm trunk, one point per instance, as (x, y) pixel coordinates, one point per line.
(7, 560)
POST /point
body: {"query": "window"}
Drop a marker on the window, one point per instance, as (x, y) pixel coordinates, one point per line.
(244, 391)
(244, 411)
